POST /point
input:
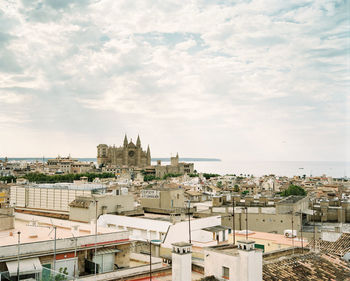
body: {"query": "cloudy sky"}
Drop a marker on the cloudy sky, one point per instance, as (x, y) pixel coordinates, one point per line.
(255, 80)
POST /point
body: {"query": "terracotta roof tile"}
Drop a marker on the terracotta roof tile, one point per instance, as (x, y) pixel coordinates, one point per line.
(310, 266)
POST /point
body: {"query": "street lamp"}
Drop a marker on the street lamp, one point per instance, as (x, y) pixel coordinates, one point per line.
(189, 221)
(150, 242)
(18, 253)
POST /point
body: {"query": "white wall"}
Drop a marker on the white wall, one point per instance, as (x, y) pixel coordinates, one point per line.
(181, 267)
(179, 231)
(246, 266)
(213, 263)
(148, 228)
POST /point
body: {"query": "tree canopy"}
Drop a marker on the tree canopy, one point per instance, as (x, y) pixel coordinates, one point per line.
(293, 190)
(42, 178)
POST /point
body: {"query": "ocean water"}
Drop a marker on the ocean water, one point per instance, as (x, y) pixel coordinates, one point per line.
(280, 168)
(336, 169)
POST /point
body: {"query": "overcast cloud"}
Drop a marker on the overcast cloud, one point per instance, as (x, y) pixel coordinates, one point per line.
(256, 80)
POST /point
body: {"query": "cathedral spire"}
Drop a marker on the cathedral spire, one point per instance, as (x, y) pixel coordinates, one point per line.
(148, 155)
(138, 142)
(125, 141)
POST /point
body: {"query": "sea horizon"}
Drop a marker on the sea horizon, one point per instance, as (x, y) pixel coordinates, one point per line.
(336, 169)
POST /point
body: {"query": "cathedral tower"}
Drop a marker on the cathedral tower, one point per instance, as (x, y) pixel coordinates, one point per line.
(128, 154)
(125, 151)
(138, 151)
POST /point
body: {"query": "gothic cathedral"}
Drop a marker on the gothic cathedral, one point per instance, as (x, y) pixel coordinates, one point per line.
(129, 154)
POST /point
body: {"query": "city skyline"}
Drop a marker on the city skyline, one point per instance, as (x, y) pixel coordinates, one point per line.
(264, 80)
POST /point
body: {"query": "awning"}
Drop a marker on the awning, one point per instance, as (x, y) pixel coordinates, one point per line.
(107, 251)
(215, 228)
(27, 266)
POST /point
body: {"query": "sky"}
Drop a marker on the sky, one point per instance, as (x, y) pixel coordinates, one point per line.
(245, 80)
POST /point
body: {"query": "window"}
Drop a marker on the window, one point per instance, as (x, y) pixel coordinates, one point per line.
(225, 272)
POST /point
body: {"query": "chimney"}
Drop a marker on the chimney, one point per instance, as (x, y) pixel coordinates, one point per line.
(250, 265)
(181, 261)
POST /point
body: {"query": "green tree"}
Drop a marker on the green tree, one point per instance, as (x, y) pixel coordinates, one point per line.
(8, 179)
(219, 184)
(42, 178)
(236, 188)
(150, 177)
(171, 176)
(208, 175)
(293, 190)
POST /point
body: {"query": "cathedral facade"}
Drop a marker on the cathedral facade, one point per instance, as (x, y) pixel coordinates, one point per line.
(129, 154)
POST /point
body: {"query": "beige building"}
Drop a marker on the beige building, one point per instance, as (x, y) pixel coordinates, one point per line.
(175, 167)
(6, 212)
(83, 209)
(262, 216)
(127, 155)
(68, 165)
(162, 198)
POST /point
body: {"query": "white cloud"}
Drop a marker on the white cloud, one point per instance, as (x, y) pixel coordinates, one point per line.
(251, 73)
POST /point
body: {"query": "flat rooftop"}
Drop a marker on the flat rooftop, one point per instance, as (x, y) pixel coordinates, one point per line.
(225, 248)
(290, 199)
(44, 230)
(272, 237)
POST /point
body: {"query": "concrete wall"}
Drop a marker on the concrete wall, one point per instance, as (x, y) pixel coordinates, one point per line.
(150, 202)
(107, 204)
(122, 259)
(174, 195)
(264, 222)
(6, 222)
(244, 266)
(214, 263)
(168, 199)
(282, 207)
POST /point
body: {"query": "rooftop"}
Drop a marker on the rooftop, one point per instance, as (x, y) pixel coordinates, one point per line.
(291, 199)
(182, 244)
(310, 266)
(273, 237)
(43, 230)
(339, 247)
(224, 248)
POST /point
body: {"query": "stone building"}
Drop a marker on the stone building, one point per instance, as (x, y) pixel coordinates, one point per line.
(83, 208)
(162, 198)
(127, 155)
(175, 167)
(68, 165)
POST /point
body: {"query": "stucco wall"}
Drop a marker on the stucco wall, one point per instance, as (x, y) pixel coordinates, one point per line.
(276, 223)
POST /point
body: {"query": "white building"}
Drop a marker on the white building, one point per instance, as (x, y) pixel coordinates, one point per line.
(242, 263)
(51, 196)
(204, 231)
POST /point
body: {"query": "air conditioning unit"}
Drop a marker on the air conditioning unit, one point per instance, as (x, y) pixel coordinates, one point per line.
(290, 234)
